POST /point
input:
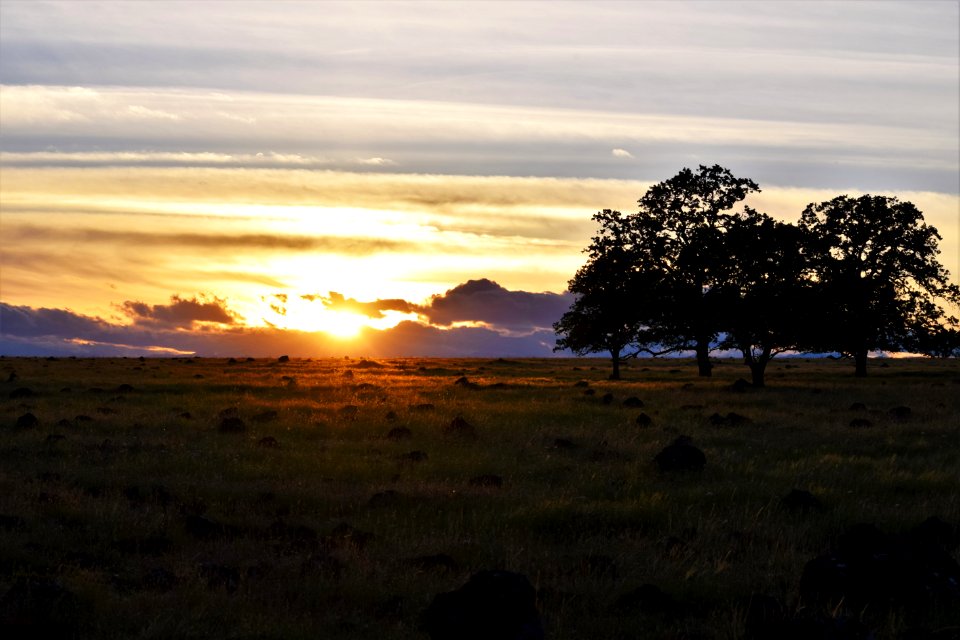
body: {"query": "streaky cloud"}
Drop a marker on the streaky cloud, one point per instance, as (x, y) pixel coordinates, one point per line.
(33, 110)
(849, 59)
(259, 160)
(429, 136)
(347, 245)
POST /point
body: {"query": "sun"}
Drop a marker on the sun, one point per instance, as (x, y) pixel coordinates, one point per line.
(313, 317)
(338, 324)
(341, 325)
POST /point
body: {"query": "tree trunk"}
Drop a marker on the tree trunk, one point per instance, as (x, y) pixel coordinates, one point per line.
(615, 356)
(760, 365)
(860, 358)
(757, 364)
(704, 368)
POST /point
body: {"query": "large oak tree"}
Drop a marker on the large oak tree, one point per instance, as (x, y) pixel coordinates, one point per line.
(682, 219)
(880, 284)
(654, 273)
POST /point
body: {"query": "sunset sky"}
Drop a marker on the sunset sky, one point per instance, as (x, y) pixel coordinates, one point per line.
(258, 178)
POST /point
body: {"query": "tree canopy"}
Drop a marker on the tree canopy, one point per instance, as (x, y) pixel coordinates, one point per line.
(875, 263)
(762, 290)
(611, 312)
(684, 219)
(649, 285)
(686, 273)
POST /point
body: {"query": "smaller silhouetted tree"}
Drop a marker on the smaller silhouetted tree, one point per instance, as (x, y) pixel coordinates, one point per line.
(609, 312)
(939, 342)
(878, 279)
(763, 293)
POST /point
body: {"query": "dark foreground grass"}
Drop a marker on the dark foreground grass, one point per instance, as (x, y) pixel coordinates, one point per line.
(155, 523)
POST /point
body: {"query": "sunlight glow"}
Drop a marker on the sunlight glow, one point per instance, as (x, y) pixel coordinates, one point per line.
(314, 318)
(299, 314)
(246, 234)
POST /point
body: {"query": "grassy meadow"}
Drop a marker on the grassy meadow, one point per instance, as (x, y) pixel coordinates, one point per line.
(204, 498)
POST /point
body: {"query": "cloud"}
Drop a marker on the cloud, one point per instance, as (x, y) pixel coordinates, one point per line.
(460, 196)
(26, 331)
(668, 57)
(212, 240)
(180, 313)
(277, 303)
(146, 113)
(337, 302)
(621, 153)
(244, 277)
(476, 302)
(161, 230)
(140, 158)
(44, 331)
(416, 339)
(26, 322)
(431, 136)
(156, 329)
(487, 302)
(830, 94)
(376, 162)
(171, 330)
(196, 114)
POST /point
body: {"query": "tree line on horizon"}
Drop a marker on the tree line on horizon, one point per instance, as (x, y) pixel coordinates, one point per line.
(687, 273)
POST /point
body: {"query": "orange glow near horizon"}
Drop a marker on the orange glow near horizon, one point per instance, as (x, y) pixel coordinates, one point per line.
(90, 239)
(315, 317)
(334, 323)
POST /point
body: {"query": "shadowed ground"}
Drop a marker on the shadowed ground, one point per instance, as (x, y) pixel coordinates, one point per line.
(337, 498)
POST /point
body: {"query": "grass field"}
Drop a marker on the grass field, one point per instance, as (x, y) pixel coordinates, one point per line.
(189, 498)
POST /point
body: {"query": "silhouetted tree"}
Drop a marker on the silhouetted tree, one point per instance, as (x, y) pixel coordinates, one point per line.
(650, 283)
(939, 342)
(609, 313)
(762, 291)
(681, 221)
(878, 277)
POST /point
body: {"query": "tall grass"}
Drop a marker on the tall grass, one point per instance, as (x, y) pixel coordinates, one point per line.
(582, 510)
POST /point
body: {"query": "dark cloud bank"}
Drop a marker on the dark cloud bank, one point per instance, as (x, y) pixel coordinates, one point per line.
(516, 323)
(475, 301)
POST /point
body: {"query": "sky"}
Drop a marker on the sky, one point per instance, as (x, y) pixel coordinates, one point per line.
(418, 178)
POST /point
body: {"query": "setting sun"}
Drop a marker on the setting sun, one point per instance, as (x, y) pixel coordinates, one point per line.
(315, 313)
(336, 323)
(302, 315)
